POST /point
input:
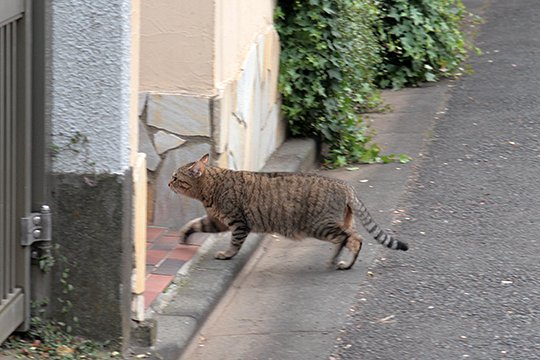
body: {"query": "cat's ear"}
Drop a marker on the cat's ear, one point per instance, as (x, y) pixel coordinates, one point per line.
(204, 159)
(198, 167)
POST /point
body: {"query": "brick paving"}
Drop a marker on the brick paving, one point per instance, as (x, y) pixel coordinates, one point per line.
(164, 258)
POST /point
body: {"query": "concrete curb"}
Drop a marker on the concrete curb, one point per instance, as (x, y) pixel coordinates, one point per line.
(181, 310)
(288, 302)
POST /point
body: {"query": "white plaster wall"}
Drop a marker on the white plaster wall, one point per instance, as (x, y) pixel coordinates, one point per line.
(247, 122)
(89, 75)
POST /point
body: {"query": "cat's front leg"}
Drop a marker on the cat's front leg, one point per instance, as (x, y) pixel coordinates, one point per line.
(240, 231)
(205, 224)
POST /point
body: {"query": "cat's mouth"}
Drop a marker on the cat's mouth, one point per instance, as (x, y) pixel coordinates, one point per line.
(179, 187)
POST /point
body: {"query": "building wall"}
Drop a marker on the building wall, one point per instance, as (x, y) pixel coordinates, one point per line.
(91, 73)
(177, 46)
(215, 93)
(238, 23)
(89, 87)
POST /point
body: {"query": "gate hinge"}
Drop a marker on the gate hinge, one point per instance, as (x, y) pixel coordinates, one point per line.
(37, 227)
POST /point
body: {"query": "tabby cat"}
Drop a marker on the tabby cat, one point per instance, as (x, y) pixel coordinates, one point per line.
(293, 205)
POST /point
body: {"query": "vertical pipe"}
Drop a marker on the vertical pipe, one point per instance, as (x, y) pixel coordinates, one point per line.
(9, 158)
(3, 120)
(14, 220)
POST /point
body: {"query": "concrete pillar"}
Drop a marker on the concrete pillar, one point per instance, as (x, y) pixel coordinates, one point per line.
(91, 105)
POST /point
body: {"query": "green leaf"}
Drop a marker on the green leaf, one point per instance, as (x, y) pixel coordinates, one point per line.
(404, 159)
(386, 159)
(430, 76)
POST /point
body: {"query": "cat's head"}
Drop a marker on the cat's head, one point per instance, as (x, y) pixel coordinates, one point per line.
(186, 178)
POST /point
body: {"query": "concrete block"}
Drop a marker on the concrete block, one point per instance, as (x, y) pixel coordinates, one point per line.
(236, 146)
(179, 114)
(171, 209)
(271, 136)
(260, 45)
(92, 228)
(165, 141)
(253, 133)
(146, 146)
(272, 65)
(142, 103)
(245, 86)
(144, 333)
(293, 155)
(268, 51)
(223, 108)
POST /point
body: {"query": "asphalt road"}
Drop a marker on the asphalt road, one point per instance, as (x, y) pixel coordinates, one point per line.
(469, 287)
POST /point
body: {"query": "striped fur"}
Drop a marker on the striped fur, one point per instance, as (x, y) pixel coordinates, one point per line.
(293, 205)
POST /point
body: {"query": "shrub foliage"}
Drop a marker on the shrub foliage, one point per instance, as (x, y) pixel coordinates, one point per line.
(333, 52)
(421, 40)
(328, 56)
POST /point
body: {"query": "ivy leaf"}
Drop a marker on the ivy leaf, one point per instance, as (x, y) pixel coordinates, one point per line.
(430, 76)
(386, 159)
(404, 159)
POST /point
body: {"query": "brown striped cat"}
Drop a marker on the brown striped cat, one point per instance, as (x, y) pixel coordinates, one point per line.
(293, 205)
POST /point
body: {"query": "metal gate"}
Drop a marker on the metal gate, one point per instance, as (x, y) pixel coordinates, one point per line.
(15, 156)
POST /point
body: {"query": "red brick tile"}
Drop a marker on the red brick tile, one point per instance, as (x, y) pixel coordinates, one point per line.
(157, 283)
(165, 243)
(167, 239)
(149, 297)
(153, 257)
(183, 252)
(152, 233)
(172, 232)
(169, 267)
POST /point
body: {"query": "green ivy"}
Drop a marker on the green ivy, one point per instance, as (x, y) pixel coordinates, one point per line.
(329, 55)
(421, 40)
(335, 52)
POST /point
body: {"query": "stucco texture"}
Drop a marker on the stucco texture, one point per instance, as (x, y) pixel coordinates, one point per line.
(177, 40)
(89, 73)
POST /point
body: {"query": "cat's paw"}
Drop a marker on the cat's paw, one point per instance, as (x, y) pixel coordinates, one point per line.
(342, 265)
(183, 236)
(222, 255)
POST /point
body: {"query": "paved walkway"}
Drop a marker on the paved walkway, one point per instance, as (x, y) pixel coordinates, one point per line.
(467, 288)
(164, 258)
(470, 286)
(288, 303)
(181, 294)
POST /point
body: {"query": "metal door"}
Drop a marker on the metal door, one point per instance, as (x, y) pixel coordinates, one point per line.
(15, 157)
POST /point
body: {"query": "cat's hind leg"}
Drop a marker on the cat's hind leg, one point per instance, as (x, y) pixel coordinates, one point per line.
(354, 245)
(204, 224)
(240, 231)
(338, 250)
(352, 240)
(335, 233)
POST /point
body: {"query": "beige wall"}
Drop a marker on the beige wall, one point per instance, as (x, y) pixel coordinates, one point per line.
(238, 23)
(209, 71)
(177, 46)
(192, 46)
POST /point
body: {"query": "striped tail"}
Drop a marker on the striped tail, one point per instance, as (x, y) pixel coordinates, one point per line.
(375, 230)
